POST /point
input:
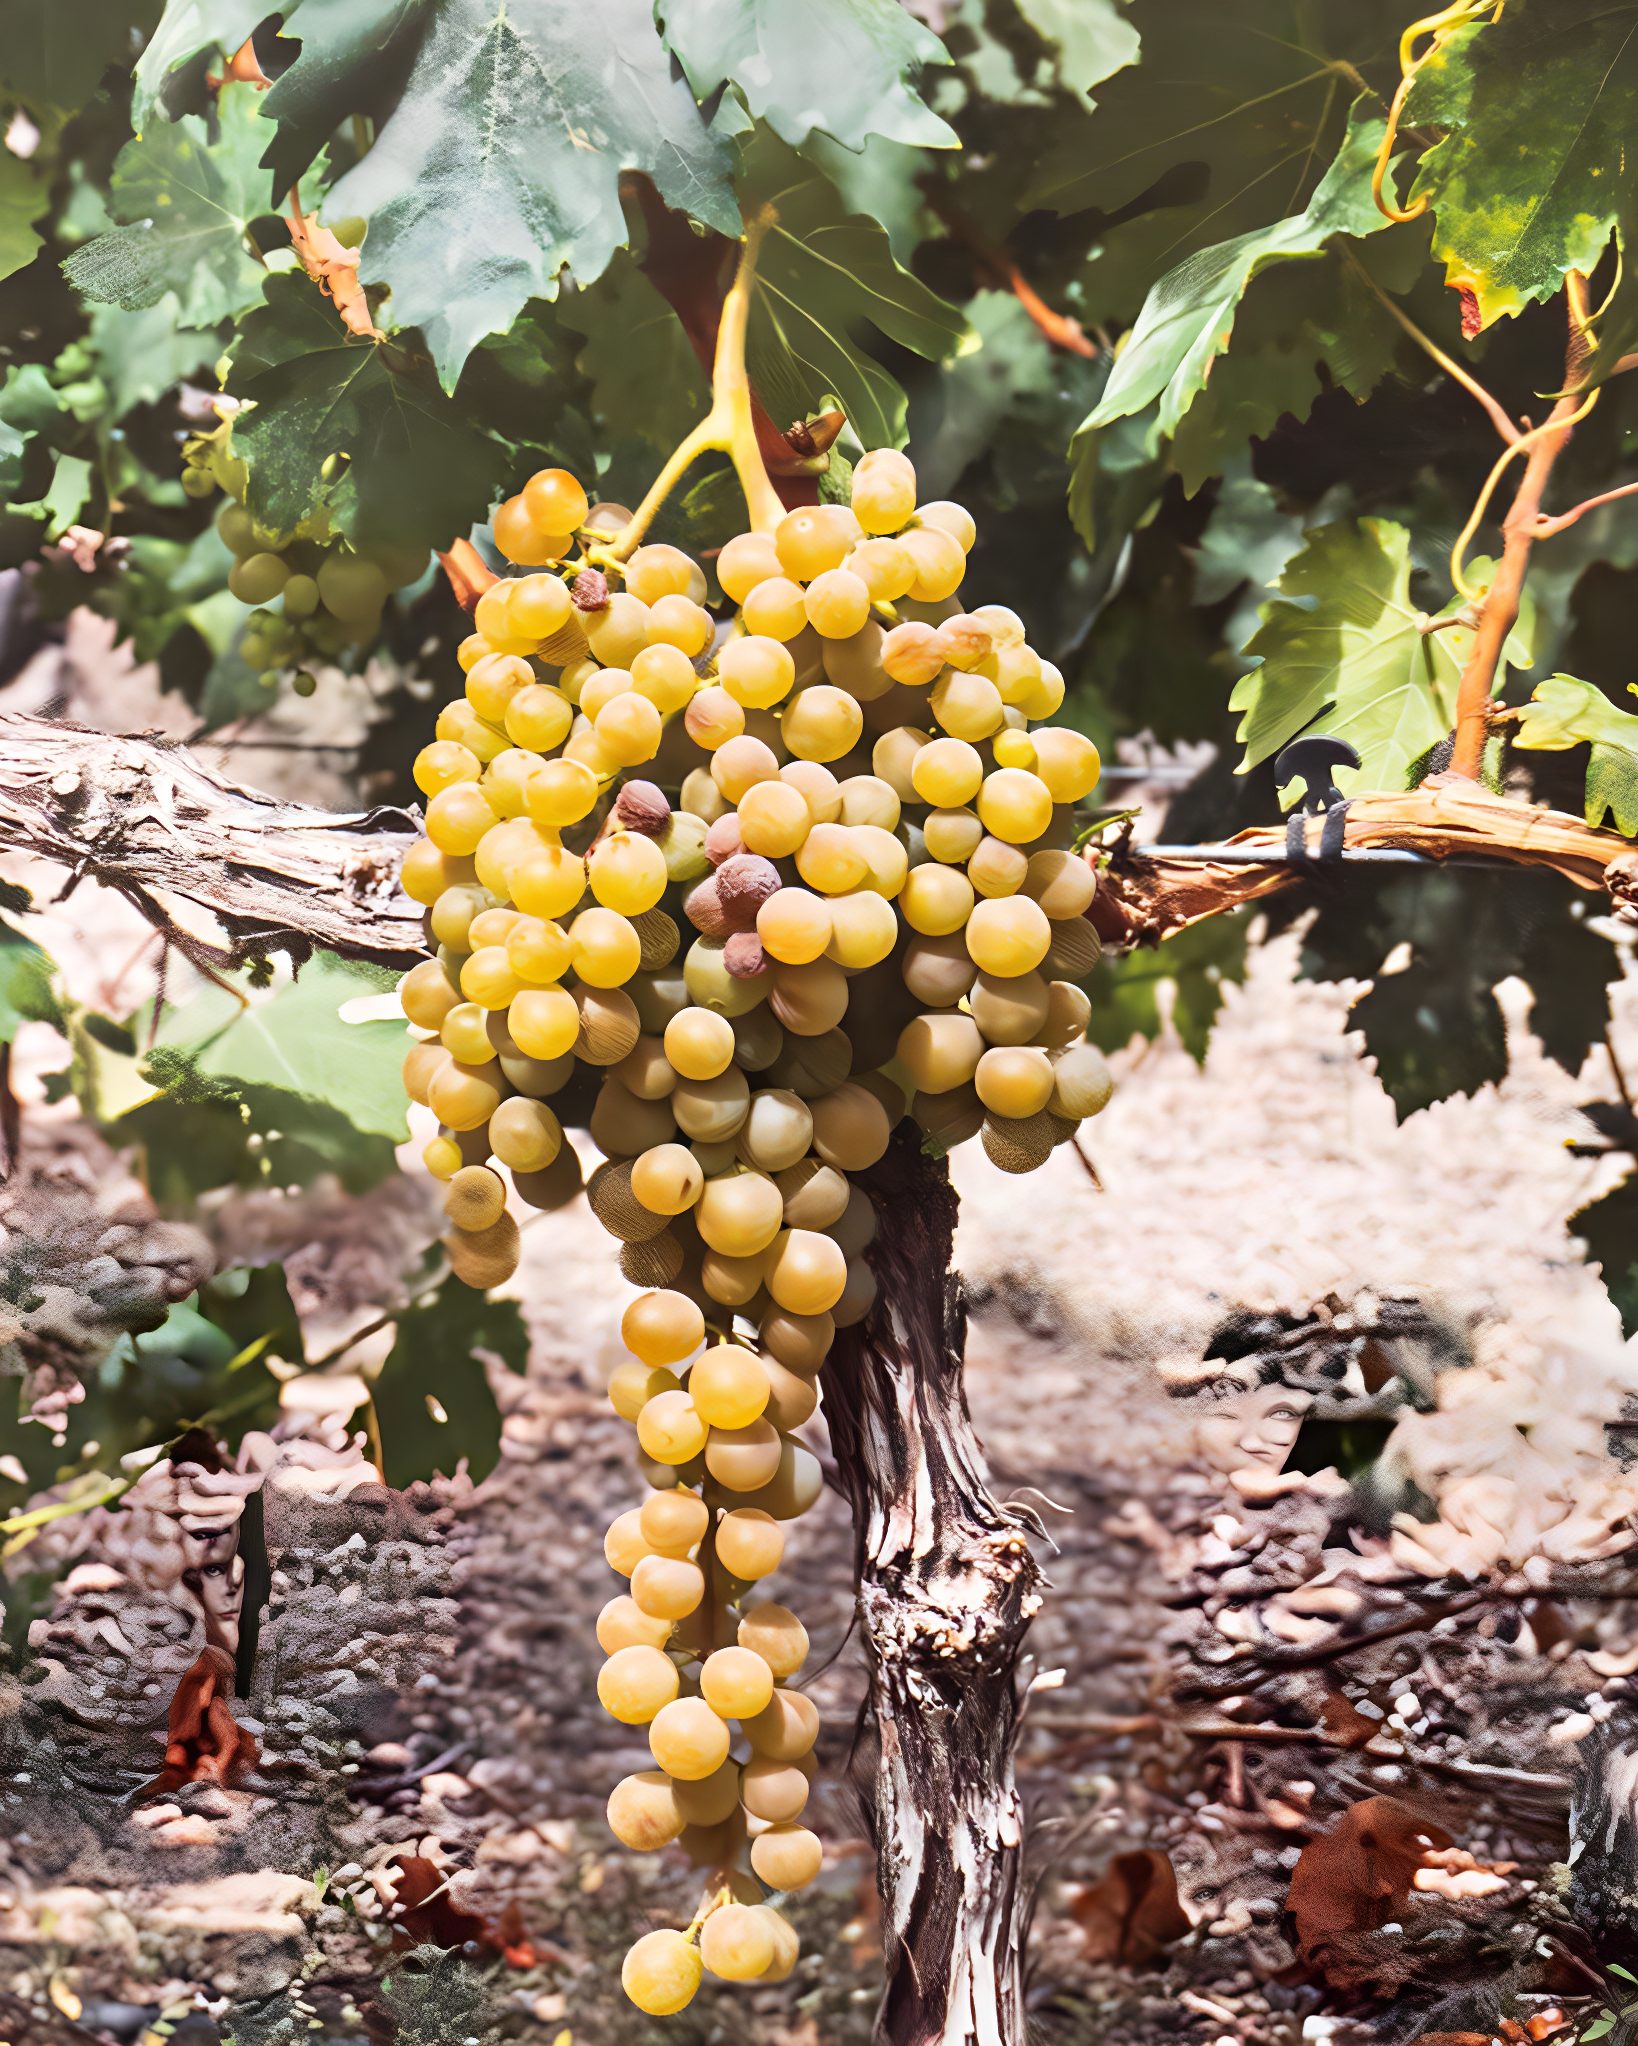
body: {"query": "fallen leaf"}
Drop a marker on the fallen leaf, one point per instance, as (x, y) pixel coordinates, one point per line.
(1134, 1911)
(1352, 1881)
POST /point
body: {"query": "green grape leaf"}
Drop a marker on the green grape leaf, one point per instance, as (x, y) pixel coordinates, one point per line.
(26, 994)
(364, 428)
(186, 28)
(646, 381)
(354, 56)
(1094, 39)
(508, 141)
(24, 196)
(141, 355)
(1008, 358)
(55, 56)
(1512, 219)
(1341, 651)
(69, 492)
(294, 1043)
(183, 204)
(838, 65)
(1224, 127)
(1188, 319)
(437, 1357)
(824, 278)
(1563, 713)
(1182, 981)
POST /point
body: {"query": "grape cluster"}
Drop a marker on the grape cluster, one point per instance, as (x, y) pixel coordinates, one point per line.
(691, 1647)
(329, 594)
(868, 841)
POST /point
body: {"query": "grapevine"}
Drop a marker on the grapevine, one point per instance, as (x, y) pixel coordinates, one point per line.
(848, 791)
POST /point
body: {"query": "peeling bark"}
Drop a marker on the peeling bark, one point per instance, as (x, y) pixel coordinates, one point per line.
(143, 816)
(947, 1587)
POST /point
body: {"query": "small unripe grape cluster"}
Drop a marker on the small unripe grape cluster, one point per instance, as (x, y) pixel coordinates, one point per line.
(693, 1648)
(313, 595)
(869, 847)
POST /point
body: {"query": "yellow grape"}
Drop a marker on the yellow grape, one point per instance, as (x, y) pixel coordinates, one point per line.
(787, 1857)
(739, 764)
(506, 780)
(1008, 936)
(940, 1051)
(442, 1157)
(674, 1523)
(621, 1625)
(491, 620)
(818, 785)
(756, 672)
(636, 1683)
(1045, 696)
(996, 868)
(913, 654)
(688, 1739)
(738, 1214)
(618, 632)
(808, 542)
(487, 978)
(521, 540)
(736, 1683)
(555, 502)
(427, 872)
(884, 567)
(512, 841)
(623, 1544)
(777, 1635)
(681, 623)
(471, 651)
(940, 564)
(537, 606)
(539, 951)
(748, 559)
(867, 799)
(665, 675)
(629, 727)
(967, 706)
(936, 900)
(602, 688)
(561, 792)
(864, 928)
(661, 1328)
(421, 1061)
(966, 641)
(458, 817)
(947, 773)
(659, 571)
(607, 951)
(743, 1459)
(525, 1135)
(736, 1944)
(750, 1544)
(584, 746)
(453, 914)
(549, 882)
(954, 519)
(830, 860)
(670, 1430)
(464, 1096)
(821, 723)
(1068, 764)
(775, 609)
(627, 872)
(713, 718)
(1014, 1080)
(773, 819)
(886, 860)
(838, 603)
(1006, 628)
(794, 926)
(1068, 1014)
(884, 498)
(1082, 1083)
(667, 1179)
(1013, 748)
(443, 763)
(952, 836)
(699, 1043)
(464, 1034)
(894, 756)
(642, 1812)
(460, 722)
(539, 718)
(491, 924)
(544, 1022)
(667, 1587)
(806, 1273)
(1015, 805)
(425, 995)
(1016, 670)
(661, 1973)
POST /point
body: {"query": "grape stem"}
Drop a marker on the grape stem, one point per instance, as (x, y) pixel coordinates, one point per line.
(728, 427)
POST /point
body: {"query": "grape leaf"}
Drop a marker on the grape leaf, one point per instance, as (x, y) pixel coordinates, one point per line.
(1512, 218)
(354, 58)
(184, 204)
(435, 1356)
(1563, 713)
(24, 196)
(1187, 320)
(25, 984)
(140, 355)
(1094, 40)
(55, 56)
(1343, 638)
(415, 471)
(1185, 977)
(502, 162)
(185, 29)
(837, 65)
(1253, 96)
(824, 278)
(646, 381)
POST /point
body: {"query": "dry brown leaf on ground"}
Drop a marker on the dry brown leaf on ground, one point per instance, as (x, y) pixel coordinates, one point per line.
(1134, 1912)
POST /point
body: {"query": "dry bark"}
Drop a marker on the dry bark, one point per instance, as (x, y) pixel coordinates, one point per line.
(947, 1587)
(143, 816)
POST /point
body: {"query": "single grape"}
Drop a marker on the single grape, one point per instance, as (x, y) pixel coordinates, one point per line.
(777, 1791)
(544, 1021)
(850, 1131)
(894, 755)
(665, 675)
(258, 578)
(747, 559)
(680, 622)
(426, 996)
(674, 1523)
(831, 860)
(699, 1043)
(627, 872)
(636, 1683)
(786, 1727)
(864, 928)
(1010, 1010)
(525, 1135)
(756, 671)
(1014, 1080)
(936, 900)
(1067, 762)
(777, 1130)
(352, 587)
(736, 1944)
(996, 868)
(426, 872)
(750, 1544)
(794, 926)
(821, 723)
(947, 773)
(458, 817)
(555, 502)
(953, 519)
(940, 563)
(687, 1738)
(808, 542)
(775, 609)
(642, 1812)
(838, 603)
(521, 540)
(442, 764)
(561, 792)
(619, 632)
(912, 654)
(773, 819)
(1009, 935)
(736, 1683)
(540, 951)
(667, 1179)
(460, 722)
(537, 606)
(967, 706)
(739, 1214)
(741, 1459)
(787, 1857)
(661, 1328)
(607, 951)
(661, 1973)
(623, 1544)
(667, 1587)
(867, 799)
(464, 1035)
(1082, 1083)
(708, 1800)
(670, 1430)
(1015, 805)
(805, 1274)
(712, 719)
(658, 571)
(884, 567)
(621, 1625)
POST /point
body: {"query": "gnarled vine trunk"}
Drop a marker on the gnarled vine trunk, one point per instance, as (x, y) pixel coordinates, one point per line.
(947, 1586)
